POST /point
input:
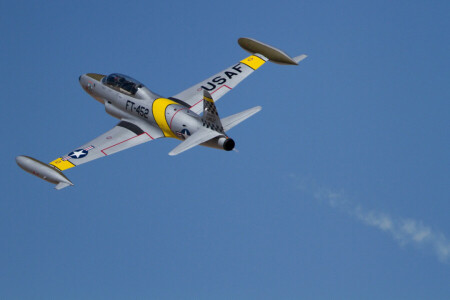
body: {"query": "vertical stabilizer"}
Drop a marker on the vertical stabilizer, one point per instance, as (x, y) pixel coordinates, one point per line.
(210, 116)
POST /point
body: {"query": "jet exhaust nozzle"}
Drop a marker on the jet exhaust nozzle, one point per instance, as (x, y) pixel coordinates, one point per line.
(226, 143)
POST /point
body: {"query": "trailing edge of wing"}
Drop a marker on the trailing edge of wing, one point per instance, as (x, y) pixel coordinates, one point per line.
(199, 137)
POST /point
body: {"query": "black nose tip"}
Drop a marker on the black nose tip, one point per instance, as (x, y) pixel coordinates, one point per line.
(79, 78)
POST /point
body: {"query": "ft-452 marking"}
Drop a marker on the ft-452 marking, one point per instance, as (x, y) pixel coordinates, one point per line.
(140, 110)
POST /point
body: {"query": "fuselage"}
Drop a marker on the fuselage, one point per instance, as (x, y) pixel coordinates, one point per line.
(127, 99)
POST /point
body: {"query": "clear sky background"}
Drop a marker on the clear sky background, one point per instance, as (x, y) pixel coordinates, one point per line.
(340, 188)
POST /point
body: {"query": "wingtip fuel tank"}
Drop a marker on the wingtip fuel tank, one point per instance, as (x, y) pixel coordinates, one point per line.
(43, 171)
(274, 55)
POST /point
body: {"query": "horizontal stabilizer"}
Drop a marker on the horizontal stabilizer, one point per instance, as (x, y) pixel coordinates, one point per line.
(199, 137)
(231, 121)
(274, 55)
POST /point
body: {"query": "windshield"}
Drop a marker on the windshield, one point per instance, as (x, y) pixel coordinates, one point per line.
(123, 83)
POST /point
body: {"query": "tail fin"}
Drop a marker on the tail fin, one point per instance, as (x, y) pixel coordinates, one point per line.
(212, 126)
(212, 134)
(210, 115)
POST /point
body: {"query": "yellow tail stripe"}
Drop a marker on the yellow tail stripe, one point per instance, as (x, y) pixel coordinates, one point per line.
(159, 113)
(253, 62)
(208, 99)
(62, 164)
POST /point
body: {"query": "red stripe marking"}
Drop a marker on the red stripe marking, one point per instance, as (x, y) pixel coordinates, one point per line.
(125, 141)
(211, 94)
(170, 125)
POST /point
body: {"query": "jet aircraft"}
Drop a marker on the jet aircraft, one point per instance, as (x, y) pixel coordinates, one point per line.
(190, 116)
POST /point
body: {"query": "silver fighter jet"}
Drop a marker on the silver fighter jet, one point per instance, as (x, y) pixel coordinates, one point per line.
(190, 116)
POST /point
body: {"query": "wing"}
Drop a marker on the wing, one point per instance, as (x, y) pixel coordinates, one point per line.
(124, 135)
(220, 83)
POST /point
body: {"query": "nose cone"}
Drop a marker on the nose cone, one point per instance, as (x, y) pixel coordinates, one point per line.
(83, 81)
(21, 160)
(90, 80)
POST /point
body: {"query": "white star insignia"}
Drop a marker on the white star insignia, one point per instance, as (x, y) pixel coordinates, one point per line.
(78, 153)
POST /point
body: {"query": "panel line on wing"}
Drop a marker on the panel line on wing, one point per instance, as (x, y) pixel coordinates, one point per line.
(103, 150)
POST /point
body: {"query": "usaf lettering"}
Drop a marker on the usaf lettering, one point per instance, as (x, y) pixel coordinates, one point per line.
(221, 79)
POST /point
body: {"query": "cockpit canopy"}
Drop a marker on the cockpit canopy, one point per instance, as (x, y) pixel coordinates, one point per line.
(128, 86)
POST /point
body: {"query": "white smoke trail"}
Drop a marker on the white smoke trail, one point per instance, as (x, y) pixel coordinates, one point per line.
(404, 230)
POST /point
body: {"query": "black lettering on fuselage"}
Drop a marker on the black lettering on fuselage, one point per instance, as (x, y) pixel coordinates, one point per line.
(131, 103)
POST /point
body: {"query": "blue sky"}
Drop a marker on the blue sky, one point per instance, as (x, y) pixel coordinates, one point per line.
(340, 188)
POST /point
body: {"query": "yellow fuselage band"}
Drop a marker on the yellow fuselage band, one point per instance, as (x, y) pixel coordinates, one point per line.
(159, 113)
